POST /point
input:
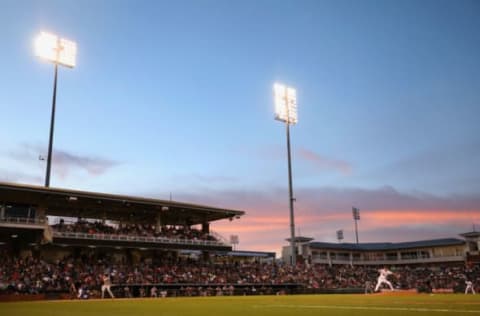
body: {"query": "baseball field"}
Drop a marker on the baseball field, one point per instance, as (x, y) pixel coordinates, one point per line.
(326, 305)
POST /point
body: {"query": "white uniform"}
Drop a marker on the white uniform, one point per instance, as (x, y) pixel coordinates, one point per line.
(382, 279)
(153, 292)
(469, 287)
(107, 283)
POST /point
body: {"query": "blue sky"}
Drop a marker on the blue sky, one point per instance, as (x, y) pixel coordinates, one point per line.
(176, 97)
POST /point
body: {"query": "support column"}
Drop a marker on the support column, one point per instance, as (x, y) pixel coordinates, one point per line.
(41, 214)
(206, 228)
(206, 256)
(2, 211)
(158, 224)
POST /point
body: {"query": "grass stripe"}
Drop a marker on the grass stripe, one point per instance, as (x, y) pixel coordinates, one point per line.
(436, 310)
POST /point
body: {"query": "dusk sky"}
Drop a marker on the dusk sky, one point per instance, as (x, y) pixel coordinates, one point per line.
(176, 97)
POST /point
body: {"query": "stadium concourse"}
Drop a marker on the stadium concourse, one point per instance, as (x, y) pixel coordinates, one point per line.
(57, 243)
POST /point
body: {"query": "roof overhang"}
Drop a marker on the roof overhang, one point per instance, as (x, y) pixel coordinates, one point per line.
(368, 247)
(74, 203)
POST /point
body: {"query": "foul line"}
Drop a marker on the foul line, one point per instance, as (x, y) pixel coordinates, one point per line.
(438, 310)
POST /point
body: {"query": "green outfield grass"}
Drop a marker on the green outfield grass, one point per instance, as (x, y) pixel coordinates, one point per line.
(325, 305)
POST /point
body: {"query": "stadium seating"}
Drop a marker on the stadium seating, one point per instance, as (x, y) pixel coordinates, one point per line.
(34, 275)
(143, 230)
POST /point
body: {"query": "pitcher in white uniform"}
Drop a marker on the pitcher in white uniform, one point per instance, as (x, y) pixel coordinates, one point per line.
(382, 278)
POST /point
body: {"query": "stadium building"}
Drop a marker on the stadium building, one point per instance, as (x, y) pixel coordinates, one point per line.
(60, 243)
(435, 251)
(54, 222)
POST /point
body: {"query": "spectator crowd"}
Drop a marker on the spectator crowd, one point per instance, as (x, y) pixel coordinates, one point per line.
(141, 230)
(34, 275)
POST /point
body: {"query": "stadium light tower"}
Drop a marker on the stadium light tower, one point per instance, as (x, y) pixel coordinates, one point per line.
(59, 51)
(286, 111)
(356, 217)
(340, 235)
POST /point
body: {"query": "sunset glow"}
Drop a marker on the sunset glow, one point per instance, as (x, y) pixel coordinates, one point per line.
(174, 100)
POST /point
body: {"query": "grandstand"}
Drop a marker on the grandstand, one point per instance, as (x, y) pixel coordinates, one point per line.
(435, 251)
(28, 213)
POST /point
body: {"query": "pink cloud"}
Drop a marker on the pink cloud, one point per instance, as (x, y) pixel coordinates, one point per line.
(325, 163)
(386, 215)
(318, 161)
(63, 162)
(409, 216)
(268, 233)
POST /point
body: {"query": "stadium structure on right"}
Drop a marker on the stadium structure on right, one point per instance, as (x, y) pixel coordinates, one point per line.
(434, 251)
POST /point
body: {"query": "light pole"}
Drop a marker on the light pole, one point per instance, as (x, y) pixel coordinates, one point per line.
(286, 111)
(356, 217)
(340, 235)
(60, 52)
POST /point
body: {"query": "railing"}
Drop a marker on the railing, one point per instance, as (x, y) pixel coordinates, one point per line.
(23, 220)
(114, 237)
(382, 262)
(219, 237)
(133, 238)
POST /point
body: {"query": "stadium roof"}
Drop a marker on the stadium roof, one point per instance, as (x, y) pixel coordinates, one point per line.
(387, 245)
(73, 203)
(473, 234)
